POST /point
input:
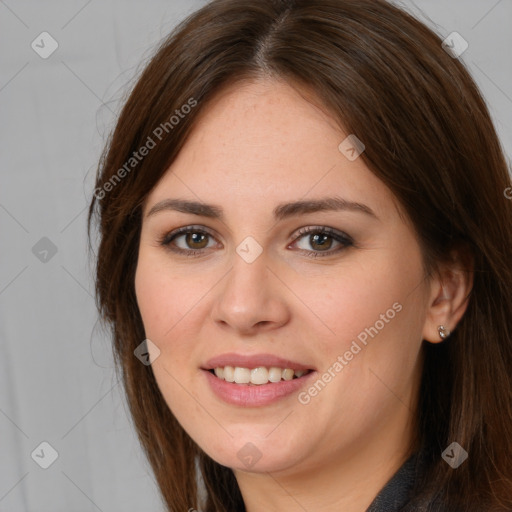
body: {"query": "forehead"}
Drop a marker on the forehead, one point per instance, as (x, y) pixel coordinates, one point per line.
(267, 142)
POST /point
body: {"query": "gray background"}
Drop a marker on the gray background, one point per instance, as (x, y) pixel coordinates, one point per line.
(57, 382)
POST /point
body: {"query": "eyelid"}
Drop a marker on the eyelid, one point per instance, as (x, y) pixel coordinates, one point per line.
(168, 237)
(310, 229)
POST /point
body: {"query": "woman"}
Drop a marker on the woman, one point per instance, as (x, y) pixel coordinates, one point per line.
(304, 258)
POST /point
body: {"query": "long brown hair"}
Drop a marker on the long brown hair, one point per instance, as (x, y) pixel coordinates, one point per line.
(429, 137)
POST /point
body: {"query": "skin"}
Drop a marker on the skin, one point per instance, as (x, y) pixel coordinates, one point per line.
(256, 145)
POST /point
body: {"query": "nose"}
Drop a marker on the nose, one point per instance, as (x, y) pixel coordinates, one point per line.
(252, 298)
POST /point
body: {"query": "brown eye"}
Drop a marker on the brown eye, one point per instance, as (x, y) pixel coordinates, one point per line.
(321, 239)
(187, 240)
(195, 240)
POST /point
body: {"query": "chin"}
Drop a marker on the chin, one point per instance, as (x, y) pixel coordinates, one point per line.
(254, 455)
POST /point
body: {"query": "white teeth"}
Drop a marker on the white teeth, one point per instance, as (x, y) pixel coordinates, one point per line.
(256, 376)
(288, 374)
(242, 375)
(259, 375)
(274, 374)
(229, 374)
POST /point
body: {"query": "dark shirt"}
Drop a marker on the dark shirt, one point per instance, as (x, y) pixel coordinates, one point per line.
(399, 491)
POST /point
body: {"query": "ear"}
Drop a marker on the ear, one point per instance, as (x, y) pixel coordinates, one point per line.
(449, 297)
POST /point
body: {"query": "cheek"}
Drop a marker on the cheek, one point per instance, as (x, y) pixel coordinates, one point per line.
(366, 296)
(151, 299)
(172, 307)
(163, 304)
(373, 318)
(162, 301)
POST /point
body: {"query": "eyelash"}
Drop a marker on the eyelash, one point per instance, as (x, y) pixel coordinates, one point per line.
(338, 236)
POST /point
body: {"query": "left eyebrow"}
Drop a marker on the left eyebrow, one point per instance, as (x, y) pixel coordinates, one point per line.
(335, 203)
(281, 211)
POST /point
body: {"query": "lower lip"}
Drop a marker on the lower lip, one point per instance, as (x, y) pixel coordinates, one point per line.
(255, 395)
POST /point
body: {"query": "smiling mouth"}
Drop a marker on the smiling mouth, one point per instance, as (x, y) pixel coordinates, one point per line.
(256, 376)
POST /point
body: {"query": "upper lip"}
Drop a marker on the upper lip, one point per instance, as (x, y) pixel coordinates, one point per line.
(253, 361)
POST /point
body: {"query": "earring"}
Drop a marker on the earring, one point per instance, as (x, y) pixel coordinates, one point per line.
(443, 332)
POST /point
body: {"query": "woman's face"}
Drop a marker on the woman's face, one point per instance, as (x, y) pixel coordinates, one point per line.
(258, 283)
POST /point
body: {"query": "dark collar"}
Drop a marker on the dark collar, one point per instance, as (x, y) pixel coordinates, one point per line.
(397, 492)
